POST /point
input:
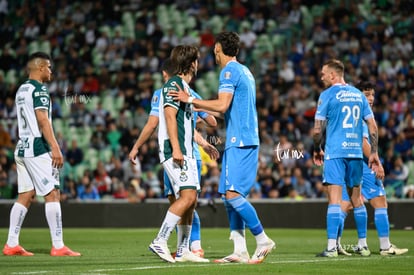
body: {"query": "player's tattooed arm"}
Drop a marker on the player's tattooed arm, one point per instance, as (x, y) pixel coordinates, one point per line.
(318, 134)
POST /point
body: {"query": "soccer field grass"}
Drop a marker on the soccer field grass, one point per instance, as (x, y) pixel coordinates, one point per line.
(125, 251)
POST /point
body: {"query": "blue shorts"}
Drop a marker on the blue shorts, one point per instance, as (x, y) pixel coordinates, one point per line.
(239, 169)
(168, 190)
(343, 171)
(371, 188)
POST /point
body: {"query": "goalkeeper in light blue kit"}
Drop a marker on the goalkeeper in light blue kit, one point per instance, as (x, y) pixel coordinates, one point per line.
(342, 109)
(372, 190)
(237, 100)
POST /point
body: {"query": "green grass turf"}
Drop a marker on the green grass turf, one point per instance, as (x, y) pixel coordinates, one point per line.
(125, 251)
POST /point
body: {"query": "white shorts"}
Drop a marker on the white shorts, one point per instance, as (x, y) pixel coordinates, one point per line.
(36, 173)
(182, 178)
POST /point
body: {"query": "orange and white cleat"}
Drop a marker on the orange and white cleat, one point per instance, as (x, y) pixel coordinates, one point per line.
(16, 251)
(64, 251)
(198, 252)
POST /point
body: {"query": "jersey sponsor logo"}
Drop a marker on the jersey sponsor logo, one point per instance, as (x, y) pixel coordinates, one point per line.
(23, 89)
(348, 96)
(351, 135)
(351, 144)
(20, 100)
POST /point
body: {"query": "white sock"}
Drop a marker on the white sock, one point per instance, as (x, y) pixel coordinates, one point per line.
(54, 220)
(385, 243)
(168, 225)
(17, 215)
(261, 238)
(196, 245)
(362, 242)
(331, 244)
(239, 239)
(183, 238)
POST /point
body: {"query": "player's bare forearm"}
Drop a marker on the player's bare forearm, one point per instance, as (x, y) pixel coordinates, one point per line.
(318, 131)
(221, 104)
(373, 135)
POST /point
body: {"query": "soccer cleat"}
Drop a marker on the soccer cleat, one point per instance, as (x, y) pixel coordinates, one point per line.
(333, 253)
(190, 257)
(342, 251)
(235, 258)
(198, 252)
(363, 251)
(393, 250)
(16, 251)
(262, 251)
(161, 249)
(64, 251)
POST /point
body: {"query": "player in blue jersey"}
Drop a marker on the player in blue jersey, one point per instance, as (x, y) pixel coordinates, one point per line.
(149, 128)
(372, 190)
(341, 111)
(237, 100)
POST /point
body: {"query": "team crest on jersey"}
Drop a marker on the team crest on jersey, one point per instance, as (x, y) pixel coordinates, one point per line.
(183, 176)
(227, 75)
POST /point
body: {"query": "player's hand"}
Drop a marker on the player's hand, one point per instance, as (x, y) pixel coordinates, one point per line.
(375, 164)
(133, 156)
(57, 158)
(318, 157)
(178, 158)
(179, 95)
(211, 151)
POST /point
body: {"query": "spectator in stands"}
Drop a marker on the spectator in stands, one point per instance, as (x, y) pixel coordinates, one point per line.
(74, 155)
(87, 190)
(5, 138)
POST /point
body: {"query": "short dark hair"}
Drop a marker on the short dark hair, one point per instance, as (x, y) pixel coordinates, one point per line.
(41, 55)
(365, 85)
(168, 67)
(230, 43)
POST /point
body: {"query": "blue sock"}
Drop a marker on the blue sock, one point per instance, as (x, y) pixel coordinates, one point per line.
(235, 221)
(195, 229)
(333, 218)
(247, 213)
(381, 222)
(342, 218)
(361, 221)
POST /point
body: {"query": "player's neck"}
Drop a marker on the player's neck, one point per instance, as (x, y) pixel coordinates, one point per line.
(227, 60)
(186, 77)
(36, 78)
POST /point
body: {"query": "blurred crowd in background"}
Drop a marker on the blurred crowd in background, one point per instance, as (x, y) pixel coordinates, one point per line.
(106, 63)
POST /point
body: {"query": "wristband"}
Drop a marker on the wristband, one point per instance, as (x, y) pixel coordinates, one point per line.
(190, 100)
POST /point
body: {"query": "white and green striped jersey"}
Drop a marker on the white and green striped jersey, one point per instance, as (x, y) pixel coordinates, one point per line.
(30, 96)
(184, 117)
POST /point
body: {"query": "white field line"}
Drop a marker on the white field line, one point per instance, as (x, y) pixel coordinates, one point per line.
(169, 266)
